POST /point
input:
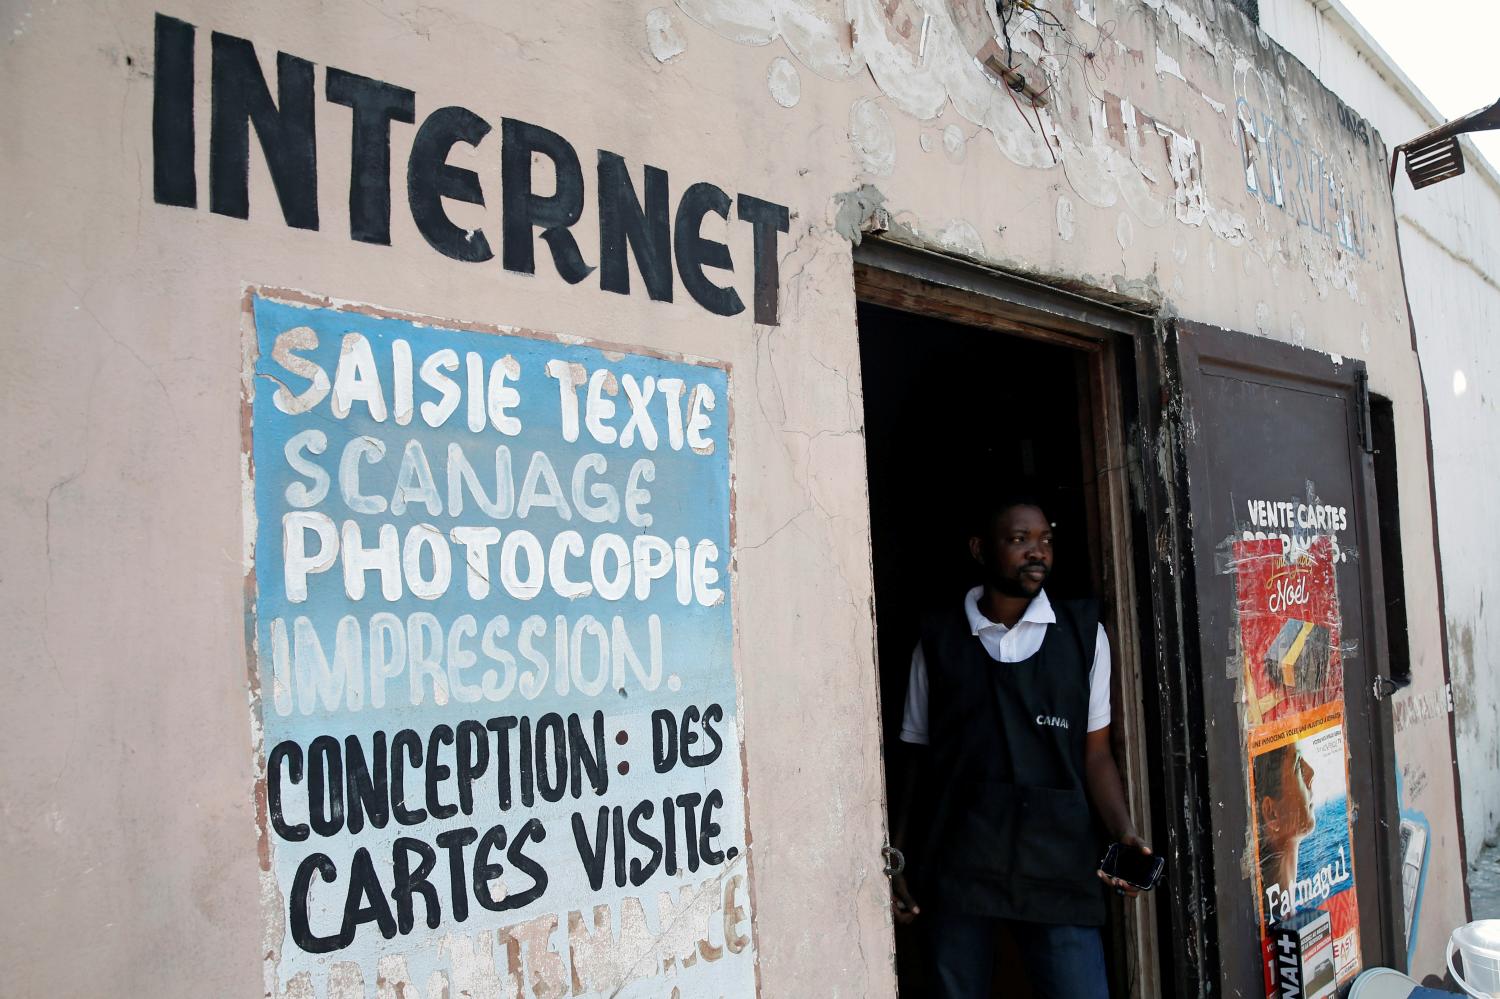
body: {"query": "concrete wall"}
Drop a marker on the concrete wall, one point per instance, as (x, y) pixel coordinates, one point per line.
(130, 790)
(1452, 256)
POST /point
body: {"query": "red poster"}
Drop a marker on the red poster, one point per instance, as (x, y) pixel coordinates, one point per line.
(1289, 627)
(1293, 674)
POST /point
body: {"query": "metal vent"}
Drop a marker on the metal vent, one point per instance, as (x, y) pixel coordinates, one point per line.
(1436, 155)
(1434, 162)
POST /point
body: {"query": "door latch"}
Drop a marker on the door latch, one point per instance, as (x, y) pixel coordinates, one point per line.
(1362, 401)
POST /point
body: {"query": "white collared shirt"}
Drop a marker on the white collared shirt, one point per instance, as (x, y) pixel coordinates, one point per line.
(1006, 645)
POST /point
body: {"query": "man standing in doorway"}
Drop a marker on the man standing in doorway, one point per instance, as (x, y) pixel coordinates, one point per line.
(1007, 714)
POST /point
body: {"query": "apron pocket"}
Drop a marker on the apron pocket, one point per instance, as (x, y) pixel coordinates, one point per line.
(1054, 838)
(983, 831)
(1007, 832)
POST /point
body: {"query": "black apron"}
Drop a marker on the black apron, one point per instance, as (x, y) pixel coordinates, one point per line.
(1010, 833)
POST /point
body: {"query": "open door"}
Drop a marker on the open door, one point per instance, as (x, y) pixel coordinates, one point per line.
(1286, 584)
(984, 382)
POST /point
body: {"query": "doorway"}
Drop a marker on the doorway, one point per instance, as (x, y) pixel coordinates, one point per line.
(966, 397)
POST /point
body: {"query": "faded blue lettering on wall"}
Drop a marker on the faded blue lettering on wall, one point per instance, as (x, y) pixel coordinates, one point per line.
(1286, 171)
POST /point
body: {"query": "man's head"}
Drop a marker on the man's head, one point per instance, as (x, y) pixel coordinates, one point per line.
(1012, 541)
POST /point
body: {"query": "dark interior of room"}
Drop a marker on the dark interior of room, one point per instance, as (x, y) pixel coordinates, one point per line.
(954, 414)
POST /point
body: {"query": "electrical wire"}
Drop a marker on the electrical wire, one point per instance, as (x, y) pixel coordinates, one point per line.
(1093, 61)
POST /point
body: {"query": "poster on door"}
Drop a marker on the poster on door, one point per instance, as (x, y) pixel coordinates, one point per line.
(1290, 658)
(494, 708)
(1288, 613)
(1304, 858)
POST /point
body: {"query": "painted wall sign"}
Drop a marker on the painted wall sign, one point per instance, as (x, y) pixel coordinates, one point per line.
(633, 222)
(497, 736)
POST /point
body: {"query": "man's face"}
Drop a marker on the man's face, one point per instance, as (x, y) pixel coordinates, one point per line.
(1017, 554)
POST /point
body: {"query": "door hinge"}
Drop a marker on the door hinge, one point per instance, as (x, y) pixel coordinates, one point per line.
(1362, 400)
(1384, 686)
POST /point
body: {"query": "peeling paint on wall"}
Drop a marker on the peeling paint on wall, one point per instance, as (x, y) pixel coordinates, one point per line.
(815, 30)
(662, 35)
(784, 83)
(1166, 65)
(927, 57)
(961, 236)
(1064, 217)
(955, 143)
(873, 138)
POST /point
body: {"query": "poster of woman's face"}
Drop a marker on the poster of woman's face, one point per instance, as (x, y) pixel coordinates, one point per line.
(1285, 814)
(1301, 820)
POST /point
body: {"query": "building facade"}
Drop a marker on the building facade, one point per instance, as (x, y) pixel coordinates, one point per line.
(468, 535)
(1450, 258)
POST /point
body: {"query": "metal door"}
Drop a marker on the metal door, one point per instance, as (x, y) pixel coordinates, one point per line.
(1285, 593)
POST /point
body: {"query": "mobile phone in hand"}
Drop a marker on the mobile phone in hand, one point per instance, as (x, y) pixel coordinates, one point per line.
(1143, 870)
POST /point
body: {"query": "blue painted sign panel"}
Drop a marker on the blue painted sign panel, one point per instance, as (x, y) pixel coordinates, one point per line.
(496, 722)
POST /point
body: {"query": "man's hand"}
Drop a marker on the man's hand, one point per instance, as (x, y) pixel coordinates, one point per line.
(904, 908)
(1107, 792)
(1129, 840)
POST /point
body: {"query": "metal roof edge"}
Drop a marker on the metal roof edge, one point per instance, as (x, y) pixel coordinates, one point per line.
(1386, 67)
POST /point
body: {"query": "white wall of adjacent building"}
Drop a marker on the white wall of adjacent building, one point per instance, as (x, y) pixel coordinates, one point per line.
(1450, 241)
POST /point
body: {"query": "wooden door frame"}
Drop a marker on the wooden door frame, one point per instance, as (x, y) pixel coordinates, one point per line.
(1170, 600)
(1101, 336)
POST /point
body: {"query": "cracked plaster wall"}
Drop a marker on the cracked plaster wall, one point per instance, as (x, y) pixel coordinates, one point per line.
(127, 762)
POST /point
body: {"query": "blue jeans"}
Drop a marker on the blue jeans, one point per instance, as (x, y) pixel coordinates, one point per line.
(1062, 962)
